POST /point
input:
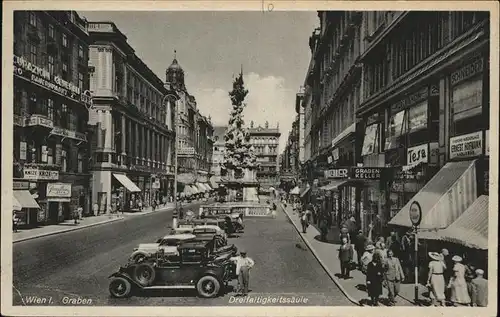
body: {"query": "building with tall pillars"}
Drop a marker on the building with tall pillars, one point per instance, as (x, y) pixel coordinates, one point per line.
(195, 136)
(133, 117)
(50, 148)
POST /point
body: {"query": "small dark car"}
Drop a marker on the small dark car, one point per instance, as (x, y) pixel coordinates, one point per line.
(194, 268)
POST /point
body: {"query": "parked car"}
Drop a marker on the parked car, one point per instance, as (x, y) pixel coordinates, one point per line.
(182, 230)
(209, 231)
(193, 268)
(167, 243)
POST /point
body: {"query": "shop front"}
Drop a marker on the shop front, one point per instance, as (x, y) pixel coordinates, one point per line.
(59, 202)
(340, 198)
(25, 207)
(123, 191)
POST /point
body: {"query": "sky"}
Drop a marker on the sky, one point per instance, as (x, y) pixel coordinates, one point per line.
(211, 47)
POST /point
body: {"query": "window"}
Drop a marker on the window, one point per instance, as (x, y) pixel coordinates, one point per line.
(64, 116)
(50, 154)
(370, 143)
(42, 106)
(32, 18)
(33, 52)
(395, 128)
(51, 31)
(80, 162)
(466, 99)
(65, 70)
(64, 161)
(18, 102)
(44, 154)
(80, 51)
(73, 120)
(417, 117)
(50, 109)
(64, 40)
(51, 64)
(80, 81)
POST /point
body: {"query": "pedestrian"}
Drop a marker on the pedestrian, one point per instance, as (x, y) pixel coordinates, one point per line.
(435, 279)
(359, 245)
(393, 276)
(406, 253)
(381, 249)
(243, 266)
(479, 290)
(273, 212)
(95, 209)
(344, 233)
(345, 257)
(139, 203)
(303, 221)
(367, 257)
(374, 279)
(458, 285)
(153, 205)
(323, 227)
(75, 215)
(15, 222)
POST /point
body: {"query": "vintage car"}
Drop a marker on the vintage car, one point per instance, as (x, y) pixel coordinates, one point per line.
(167, 243)
(182, 230)
(193, 268)
(208, 232)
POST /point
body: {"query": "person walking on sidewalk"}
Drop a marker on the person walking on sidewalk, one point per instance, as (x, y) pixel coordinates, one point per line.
(458, 285)
(15, 222)
(323, 227)
(345, 257)
(435, 279)
(243, 266)
(393, 276)
(479, 290)
(367, 257)
(344, 233)
(374, 278)
(359, 245)
(303, 221)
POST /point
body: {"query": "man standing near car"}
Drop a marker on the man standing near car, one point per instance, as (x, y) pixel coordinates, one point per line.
(243, 266)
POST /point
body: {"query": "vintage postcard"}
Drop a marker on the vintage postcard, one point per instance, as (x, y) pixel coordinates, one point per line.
(278, 158)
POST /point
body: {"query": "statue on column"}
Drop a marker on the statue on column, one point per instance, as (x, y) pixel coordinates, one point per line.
(267, 125)
(251, 124)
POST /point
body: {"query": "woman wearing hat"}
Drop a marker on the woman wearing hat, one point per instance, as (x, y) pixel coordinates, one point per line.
(374, 278)
(435, 279)
(458, 284)
(367, 257)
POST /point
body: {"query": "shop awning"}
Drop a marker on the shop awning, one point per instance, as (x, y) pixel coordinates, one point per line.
(295, 191)
(214, 180)
(444, 198)
(127, 183)
(25, 199)
(200, 188)
(16, 206)
(207, 185)
(194, 190)
(334, 184)
(304, 192)
(187, 190)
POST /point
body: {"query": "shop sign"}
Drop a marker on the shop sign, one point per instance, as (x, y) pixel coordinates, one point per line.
(433, 153)
(487, 143)
(330, 160)
(59, 190)
(417, 154)
(366, 172)
(22, 150)
(38, 174)
(69, 134)
(467, 71)
(467, 145)
(18, 120)
(336, 154)
(41, 121)
(156, 184)
(100, 27)
(43, 77)
(415, 213)
(186, 151)
(410, 100)
(20, 185)
(337, 173)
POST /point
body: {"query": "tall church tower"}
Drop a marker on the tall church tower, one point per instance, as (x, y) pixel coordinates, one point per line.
(175, 75)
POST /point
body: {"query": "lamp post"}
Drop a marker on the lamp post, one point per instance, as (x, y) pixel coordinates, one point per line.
(176, 98)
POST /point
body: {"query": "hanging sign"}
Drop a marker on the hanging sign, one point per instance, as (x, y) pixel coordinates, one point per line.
(417, 154)
(336, 154)
(366, 172)
(337, 173)
(467, 145)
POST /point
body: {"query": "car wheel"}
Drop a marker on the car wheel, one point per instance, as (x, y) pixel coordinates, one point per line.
(119, 287)
(144, 274)
(139, 258)
(208, 286)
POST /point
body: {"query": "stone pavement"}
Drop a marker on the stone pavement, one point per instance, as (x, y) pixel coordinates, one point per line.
(354, 288)
(69, 225)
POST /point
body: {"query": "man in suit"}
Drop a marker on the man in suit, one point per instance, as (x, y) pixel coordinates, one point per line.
(479, 290)
(345, 257)
(393, 276)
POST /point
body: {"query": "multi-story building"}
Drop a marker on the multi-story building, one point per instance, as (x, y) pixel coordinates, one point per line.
(425, 116)
(51, 152)
(265, 141)
(289, 160)
(133, 117)
(195, 136)
(331, 97)
(218, 154)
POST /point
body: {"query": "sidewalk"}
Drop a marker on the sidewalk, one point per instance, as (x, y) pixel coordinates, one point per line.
(66, 226)
(353, 288)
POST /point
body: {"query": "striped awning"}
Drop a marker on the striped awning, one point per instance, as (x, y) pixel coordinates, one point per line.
(333, 184)
(194, 189)
(200, 188)
(187, 190)
(444, 198)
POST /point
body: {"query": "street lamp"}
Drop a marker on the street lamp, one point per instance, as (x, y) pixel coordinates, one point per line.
(176, 98)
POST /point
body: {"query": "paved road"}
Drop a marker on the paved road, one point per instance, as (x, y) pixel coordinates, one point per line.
(77, 265)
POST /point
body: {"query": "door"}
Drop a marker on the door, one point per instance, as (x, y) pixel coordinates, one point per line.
(192, 265)
(170, 274)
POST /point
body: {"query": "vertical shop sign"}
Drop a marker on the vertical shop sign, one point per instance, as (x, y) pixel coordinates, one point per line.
(22, 153)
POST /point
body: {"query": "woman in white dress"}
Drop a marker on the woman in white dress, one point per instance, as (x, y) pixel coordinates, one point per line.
(458, 284)
(435, 279)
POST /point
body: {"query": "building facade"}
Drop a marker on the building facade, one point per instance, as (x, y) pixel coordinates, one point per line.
(394, 102)
(425, 113)
(218, 154)
(51, 151)
(133, 118)
(265, 141)
(289, 159)
(195, 136)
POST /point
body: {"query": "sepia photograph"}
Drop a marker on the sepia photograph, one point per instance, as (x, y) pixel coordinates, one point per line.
(326, 156)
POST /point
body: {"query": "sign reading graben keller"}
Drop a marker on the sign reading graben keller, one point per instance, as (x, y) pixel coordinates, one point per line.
(366, 172)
